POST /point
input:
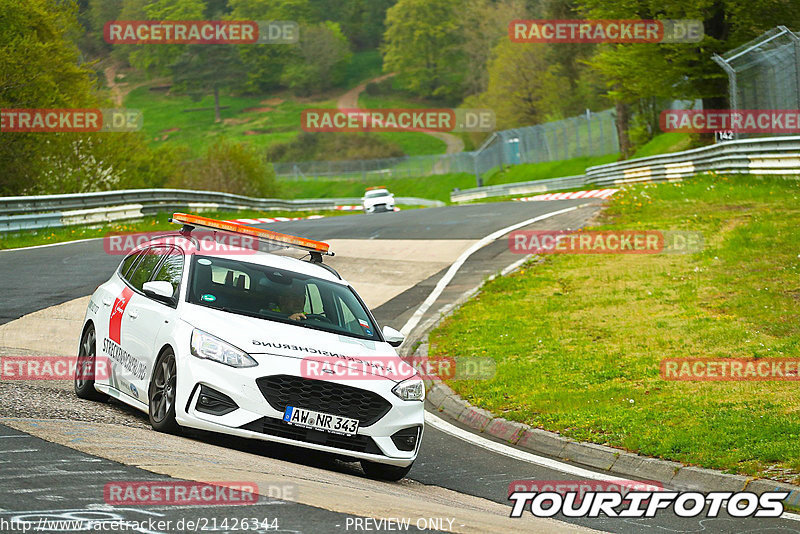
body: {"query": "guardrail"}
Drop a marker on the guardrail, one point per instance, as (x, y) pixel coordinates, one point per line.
(50, 211)
(771, 155)
(518, 188)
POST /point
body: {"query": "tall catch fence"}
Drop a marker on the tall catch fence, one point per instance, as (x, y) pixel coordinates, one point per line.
(764, 73)
(591, 134)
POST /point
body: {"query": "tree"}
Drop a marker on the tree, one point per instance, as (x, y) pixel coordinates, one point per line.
(264, 64)
(485, 23)
(423, 46)
(158, 58)
(231, 168)
(207, 68)
(38, 69)
(363, 21)
(683, 70)
(322, 58)
(523, 88)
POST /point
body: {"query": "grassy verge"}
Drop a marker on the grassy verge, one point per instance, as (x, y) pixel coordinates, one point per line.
(155, 223)
(438, 187)
(254, 120)
(578, 339)
(665, 143)
(526, 172)
(432, 187)
(412, 143)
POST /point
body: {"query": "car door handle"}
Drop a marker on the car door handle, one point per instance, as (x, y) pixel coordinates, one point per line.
(106, 301)
(133, 314)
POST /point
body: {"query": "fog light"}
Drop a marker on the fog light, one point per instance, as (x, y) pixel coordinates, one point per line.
(213, 402)
(406, 439)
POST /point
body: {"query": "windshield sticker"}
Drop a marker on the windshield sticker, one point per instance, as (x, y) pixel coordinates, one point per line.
(203, 261)
(365, 325)
(208, 297)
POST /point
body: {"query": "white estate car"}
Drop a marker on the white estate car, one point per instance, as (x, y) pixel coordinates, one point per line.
(211, 341)
(377, 199)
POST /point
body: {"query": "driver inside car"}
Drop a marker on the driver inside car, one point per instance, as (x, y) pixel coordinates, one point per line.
(292, 301)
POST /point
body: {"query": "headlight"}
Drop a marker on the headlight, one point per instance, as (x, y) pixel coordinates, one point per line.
(410, 390)
(209, 347)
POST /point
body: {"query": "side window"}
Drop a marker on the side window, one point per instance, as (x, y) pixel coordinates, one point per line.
(128, 262)
(314, 300)
(171, 270)
(144, 269)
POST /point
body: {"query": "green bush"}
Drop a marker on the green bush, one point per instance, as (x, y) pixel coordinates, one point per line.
(229, 167)
(314, 146)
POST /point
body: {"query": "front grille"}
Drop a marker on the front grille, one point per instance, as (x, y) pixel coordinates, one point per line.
(277, 427)
(323, 396)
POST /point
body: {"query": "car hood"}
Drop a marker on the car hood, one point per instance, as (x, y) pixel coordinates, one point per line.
(260, 336)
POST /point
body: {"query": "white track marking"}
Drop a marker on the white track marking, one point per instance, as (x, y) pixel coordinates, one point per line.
(451, 272)
(53, 244)
(512, 452)
(531, 458)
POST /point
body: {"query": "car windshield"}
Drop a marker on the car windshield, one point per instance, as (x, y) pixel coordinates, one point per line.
(278, 295)
(376, 193)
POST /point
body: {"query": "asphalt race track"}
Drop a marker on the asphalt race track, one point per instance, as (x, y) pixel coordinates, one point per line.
(45, 479)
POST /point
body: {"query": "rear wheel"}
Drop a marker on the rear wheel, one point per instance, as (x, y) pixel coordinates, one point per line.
(86, 367)
(162, 394)
(383, 471)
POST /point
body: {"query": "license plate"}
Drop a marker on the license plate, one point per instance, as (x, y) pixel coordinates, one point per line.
(320, 421)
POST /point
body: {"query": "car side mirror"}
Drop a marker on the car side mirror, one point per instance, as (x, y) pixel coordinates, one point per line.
(392, 336)
(160, 290)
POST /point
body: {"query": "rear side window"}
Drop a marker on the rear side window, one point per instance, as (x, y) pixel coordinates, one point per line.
(171, 270)
(144, 269)
(128, 262)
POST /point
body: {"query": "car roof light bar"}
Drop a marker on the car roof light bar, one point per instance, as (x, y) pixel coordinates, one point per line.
(317, 248)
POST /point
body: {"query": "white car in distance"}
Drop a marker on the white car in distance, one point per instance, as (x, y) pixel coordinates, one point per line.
(377, 199)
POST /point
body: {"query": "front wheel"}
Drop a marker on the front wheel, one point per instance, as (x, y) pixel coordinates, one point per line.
(162, 394)
(378, 471)
(87, 367)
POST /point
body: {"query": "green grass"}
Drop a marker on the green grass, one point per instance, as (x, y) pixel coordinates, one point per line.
(548, 169)
(197, 129)
(415, 143)
(155, 223)
(578, 339)
(438, 187)
(431, 187)
(665, 143)
(412, 143)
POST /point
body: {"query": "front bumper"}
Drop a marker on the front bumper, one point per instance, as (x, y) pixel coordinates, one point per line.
(256, 418)
(379, 208)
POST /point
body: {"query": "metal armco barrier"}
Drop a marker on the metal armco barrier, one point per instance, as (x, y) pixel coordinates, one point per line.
(51, 211)
(518, 188)
(772, 155)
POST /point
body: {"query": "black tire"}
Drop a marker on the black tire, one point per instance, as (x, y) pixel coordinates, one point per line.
(86, 366)
(378, 471)
(161, 394)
